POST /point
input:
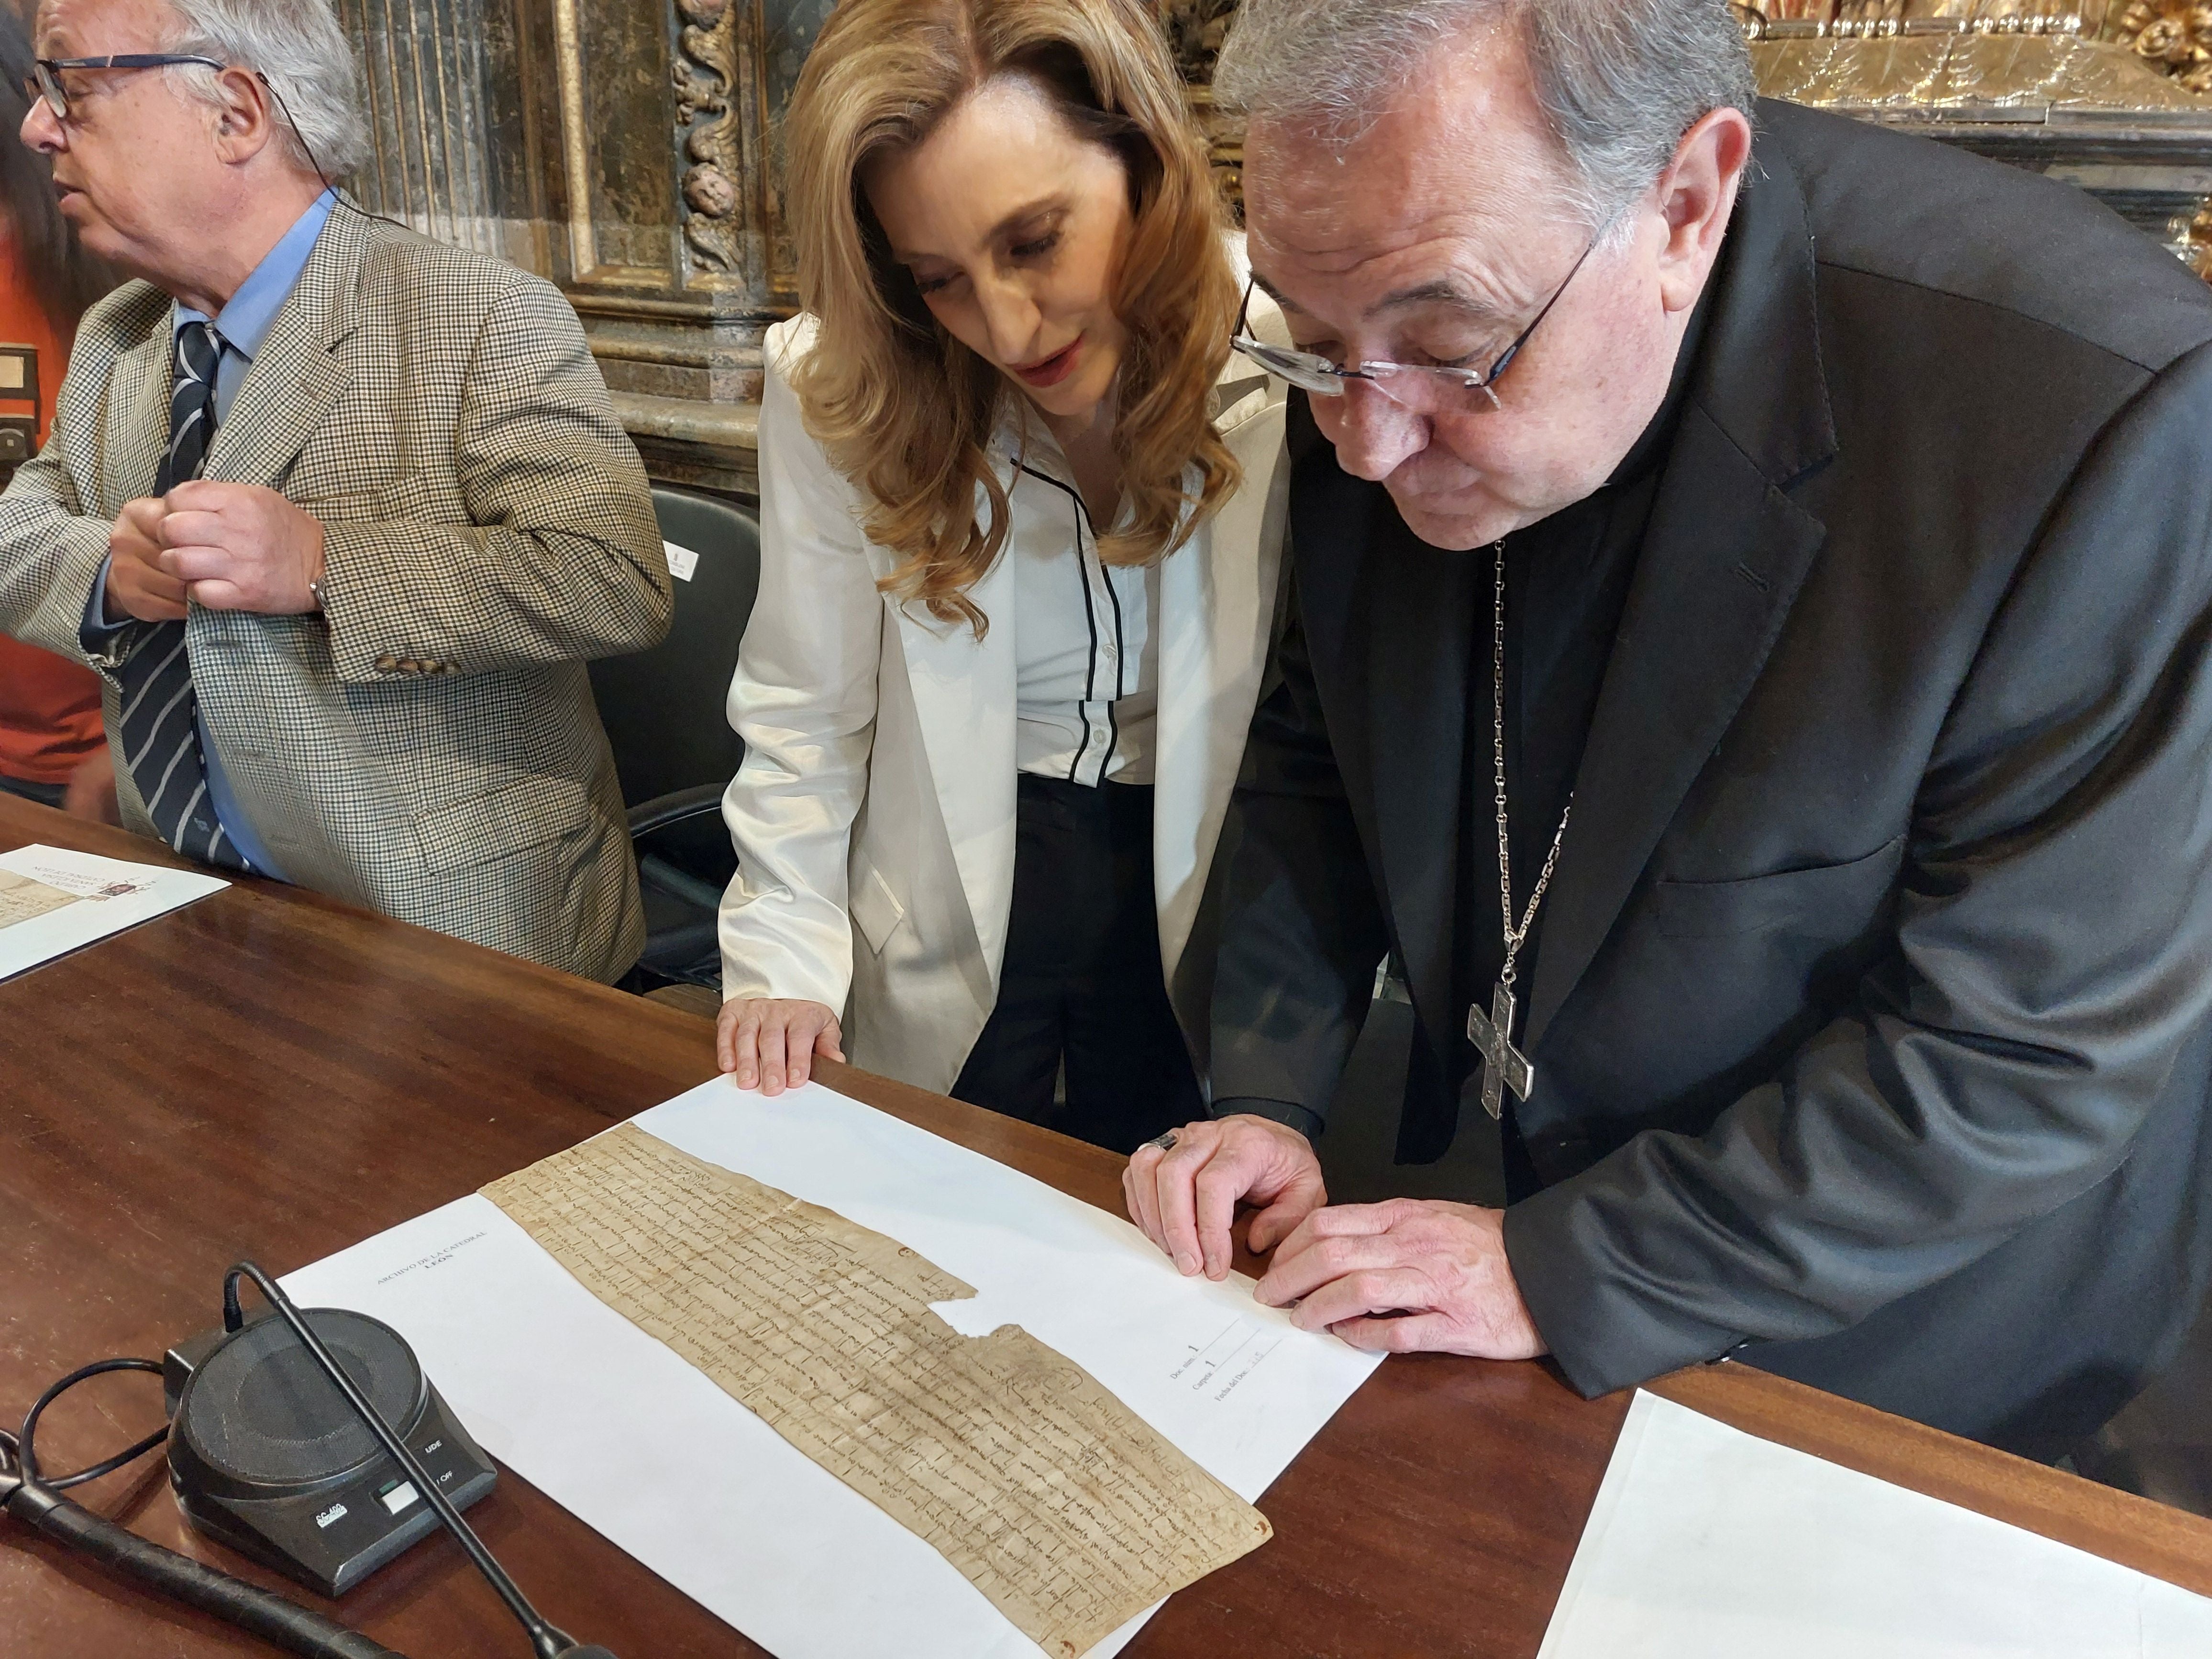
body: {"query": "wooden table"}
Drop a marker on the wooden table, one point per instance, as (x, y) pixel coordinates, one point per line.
(270, 1073)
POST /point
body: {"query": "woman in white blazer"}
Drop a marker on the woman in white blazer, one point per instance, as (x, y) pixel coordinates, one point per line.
(1021, 524)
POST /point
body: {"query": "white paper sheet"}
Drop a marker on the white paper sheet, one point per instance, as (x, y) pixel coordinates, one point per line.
(1707, 1541)
(614, 1427)
(112, 896)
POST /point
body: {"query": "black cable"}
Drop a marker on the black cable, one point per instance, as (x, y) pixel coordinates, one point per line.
(38, 1504)
(250, 1608)
(549, 1639)
(23, 1446)
(308, 150)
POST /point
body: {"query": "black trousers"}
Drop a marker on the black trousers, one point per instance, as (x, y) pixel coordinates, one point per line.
(46, 795)
(1080, 991)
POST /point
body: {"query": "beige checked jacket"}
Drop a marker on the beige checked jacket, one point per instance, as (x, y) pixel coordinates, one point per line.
(428, 745)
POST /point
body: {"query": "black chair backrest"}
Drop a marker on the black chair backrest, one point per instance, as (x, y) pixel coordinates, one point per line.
(664, 707)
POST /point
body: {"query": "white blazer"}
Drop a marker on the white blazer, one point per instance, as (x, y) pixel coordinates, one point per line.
(877, 794)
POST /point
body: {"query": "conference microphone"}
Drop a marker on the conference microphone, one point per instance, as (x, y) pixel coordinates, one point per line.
(259, 1460)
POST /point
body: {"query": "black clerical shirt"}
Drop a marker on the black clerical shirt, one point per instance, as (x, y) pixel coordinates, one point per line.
(1566, 583)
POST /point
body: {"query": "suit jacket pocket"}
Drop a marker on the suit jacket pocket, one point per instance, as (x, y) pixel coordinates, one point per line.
(498, 822)
(875, 910)
(405, 500)
(1824, 899)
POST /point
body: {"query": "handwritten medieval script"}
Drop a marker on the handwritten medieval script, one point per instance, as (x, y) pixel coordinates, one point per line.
(22, 898)
(1068, 1511)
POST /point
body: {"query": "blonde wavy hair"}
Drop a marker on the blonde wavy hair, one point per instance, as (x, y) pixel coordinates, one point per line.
(901, 408)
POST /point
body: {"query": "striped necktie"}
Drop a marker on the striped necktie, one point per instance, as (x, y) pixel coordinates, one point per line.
(160, 735)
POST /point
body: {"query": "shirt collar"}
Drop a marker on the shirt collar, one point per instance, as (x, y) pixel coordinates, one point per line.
(1658, 436)
(244, 322)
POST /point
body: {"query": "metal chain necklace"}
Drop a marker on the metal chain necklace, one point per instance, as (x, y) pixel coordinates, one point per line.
(1504, 1066)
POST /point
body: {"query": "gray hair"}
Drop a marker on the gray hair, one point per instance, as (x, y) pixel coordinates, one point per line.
(299, 46)
(1619, 81)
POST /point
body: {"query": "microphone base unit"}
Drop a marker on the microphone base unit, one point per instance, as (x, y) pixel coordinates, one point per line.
(265, 1455)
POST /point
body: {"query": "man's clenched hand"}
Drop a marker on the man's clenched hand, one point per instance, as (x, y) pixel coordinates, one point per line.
(241, 547)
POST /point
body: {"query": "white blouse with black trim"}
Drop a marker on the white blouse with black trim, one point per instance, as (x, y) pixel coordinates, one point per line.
(1087, 667)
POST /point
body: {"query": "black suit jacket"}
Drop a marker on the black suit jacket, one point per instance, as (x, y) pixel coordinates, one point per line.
(1869, 1013)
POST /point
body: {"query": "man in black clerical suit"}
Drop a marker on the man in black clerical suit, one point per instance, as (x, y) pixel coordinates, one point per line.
(1845, 527)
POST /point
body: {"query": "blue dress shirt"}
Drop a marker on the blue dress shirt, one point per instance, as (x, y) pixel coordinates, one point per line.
(243, 325)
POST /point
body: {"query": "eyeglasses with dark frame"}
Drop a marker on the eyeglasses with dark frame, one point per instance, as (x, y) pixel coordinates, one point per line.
(46, 81)
(1424, 388)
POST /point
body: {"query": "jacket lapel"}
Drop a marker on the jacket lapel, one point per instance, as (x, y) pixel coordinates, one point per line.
(136, 423)
(1420, 641)
(1388, 624)
(1217, 607)
(964, 697)
(1723, 559)
(299, 373)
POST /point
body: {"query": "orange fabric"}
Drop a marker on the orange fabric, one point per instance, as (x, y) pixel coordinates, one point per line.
(23, 322)
(49, 708)
(49, 713)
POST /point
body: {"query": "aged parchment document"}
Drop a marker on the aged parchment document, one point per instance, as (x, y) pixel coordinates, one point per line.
(1070, 1514)
(22, 898)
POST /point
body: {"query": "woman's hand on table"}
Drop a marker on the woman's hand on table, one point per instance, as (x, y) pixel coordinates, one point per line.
(770, 1043)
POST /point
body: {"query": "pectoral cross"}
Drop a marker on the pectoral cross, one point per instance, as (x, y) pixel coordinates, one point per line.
(1503, 1066)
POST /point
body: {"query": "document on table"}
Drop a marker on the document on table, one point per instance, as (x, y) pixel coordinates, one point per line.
(1705, 1540)
(53, 901)
(1071, 1513)
(645, 1445)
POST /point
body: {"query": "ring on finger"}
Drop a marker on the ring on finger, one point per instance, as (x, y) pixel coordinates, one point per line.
(1166, 1142)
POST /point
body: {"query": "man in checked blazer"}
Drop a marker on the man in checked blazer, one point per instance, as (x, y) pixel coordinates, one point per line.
(338, 514)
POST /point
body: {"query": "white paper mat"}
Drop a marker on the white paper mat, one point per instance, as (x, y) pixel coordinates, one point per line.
(1705, 1540)
(614, 1426)
(112, 896)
